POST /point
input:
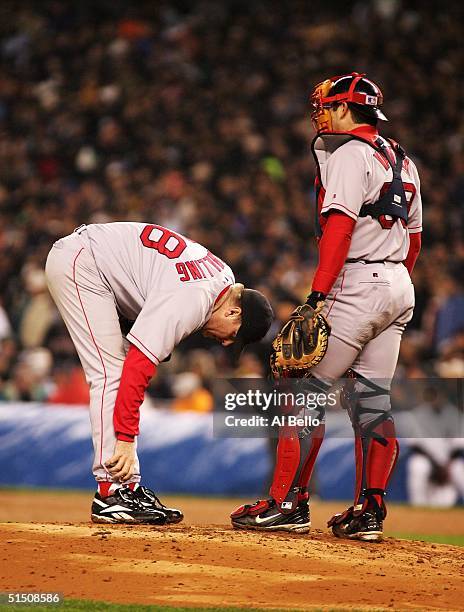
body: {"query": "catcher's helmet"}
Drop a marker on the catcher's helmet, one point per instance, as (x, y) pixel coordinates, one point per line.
(360, 93)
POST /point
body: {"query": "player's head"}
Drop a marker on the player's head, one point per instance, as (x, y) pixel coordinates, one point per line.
(242, 317)
(340, 102)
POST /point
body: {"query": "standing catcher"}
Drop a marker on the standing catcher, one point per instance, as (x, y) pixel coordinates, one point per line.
(169, 287)
(368, 224)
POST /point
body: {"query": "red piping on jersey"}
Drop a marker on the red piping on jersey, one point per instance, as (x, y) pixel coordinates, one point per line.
(147, 349)
(381, 159)
(335, 296)
(337, 204)
(99, 354)
(222, 293)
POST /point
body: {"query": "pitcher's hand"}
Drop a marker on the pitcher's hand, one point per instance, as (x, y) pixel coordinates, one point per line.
(122, 464)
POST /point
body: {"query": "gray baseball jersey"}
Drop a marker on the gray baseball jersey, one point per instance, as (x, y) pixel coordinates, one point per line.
(353, 174)
(165, 282)
(370, 303)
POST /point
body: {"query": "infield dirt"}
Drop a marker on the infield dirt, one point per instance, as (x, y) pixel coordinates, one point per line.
(203, 563)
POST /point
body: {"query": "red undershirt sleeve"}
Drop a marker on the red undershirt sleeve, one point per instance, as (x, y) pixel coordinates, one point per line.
(136, 374)
(415, 242)
(333, 250)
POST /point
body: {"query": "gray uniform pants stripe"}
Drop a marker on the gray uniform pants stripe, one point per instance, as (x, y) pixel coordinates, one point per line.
(88, 309)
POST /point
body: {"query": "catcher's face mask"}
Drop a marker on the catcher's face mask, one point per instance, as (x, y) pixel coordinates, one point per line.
(322, 101)
(320, 115)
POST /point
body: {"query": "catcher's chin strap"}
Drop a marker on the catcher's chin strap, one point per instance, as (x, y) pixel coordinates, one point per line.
(297, 451)
(376, 446)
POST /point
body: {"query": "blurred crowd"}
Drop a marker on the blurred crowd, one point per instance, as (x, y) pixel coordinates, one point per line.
(195, 116)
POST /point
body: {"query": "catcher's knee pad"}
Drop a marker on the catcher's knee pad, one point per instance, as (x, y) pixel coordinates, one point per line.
(297, 451)
(376, 446)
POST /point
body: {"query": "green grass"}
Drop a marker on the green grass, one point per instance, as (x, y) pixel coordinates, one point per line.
(453, 540)
(79, 605)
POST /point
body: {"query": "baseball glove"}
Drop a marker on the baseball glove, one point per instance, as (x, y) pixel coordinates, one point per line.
(301, 343)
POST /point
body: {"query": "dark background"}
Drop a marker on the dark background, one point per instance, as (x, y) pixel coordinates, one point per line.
(195, 115)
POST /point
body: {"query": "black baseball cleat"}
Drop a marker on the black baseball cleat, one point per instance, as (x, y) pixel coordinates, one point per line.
(266, 516)
(366, 526)
(124, 507)
(149, 499)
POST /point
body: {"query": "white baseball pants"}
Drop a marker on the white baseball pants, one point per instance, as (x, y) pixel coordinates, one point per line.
(368, 309)
(88, 308)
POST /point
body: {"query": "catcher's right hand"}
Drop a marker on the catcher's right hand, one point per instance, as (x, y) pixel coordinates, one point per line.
(301, 343)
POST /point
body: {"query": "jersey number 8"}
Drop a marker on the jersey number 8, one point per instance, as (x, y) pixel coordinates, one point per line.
(163, 240)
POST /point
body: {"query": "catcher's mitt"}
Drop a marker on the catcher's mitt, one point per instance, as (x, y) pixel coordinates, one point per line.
(301, 343)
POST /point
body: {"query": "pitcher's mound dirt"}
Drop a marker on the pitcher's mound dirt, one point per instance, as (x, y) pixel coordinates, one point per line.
(212, 565)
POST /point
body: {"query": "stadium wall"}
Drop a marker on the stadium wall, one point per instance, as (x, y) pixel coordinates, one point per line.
(50, 446)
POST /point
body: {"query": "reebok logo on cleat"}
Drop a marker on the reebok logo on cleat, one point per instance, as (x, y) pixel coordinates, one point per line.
(116, 509)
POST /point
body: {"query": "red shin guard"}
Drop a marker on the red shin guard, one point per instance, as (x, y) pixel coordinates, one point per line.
(287, 462)
(381, 458)
(376, 457)
(359, 463)
(294, 466)
(316, 441)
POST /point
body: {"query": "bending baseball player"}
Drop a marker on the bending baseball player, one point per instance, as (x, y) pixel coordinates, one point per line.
(170, 287)
(368, 223)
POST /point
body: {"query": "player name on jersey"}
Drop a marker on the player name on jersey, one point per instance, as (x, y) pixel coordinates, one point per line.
(199, 268)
